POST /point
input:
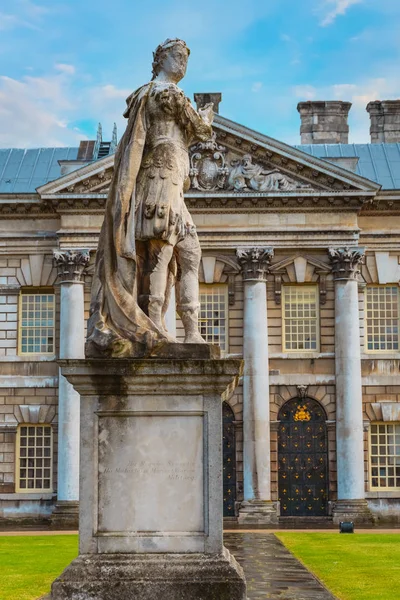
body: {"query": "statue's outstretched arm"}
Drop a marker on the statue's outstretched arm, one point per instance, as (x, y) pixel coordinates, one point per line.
(198, 122)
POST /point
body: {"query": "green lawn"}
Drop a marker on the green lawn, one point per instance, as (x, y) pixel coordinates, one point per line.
(353, 566)
(29, 564)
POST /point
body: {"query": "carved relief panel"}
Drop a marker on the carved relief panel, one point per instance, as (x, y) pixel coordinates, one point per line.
(208, 170)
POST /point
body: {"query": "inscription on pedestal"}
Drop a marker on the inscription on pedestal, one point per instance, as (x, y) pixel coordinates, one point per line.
(150, 473)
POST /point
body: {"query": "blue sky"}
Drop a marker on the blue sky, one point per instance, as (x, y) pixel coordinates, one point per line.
(65, 65)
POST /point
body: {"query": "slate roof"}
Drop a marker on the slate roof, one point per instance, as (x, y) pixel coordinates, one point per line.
(25, 170)
(377, 162)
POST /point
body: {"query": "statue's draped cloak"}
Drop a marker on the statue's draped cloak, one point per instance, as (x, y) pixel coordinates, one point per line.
(115, 315)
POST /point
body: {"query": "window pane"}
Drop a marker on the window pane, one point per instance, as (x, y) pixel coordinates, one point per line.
(213, 314)
(31, 475)
(382, 317)
(384, 454)
(36, 325)
(300, 318)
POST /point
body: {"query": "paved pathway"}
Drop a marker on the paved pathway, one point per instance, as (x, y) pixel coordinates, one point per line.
(271, 570)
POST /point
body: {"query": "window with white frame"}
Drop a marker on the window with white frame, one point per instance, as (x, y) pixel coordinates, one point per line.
(34, 458)
(382, 318)
(384, 456)
(213, 317)
(300, 318)
(36, 322)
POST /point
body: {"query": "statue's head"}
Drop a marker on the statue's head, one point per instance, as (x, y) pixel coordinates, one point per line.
(171, 57)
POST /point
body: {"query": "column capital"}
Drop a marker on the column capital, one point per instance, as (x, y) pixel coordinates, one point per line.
(254, 262)
(346, 262)
(71, 264)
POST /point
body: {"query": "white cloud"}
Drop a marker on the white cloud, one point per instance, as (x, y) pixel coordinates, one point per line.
(9, 21)
(34, 112)
(341, 90)
(256, 87)
(335, 8)
(110, 91)
(26, 14)
(305, 92)
(64, 68)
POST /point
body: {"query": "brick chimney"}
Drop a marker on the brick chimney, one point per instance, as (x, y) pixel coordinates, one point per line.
(385, 121)
(203, 99)
(324, 122)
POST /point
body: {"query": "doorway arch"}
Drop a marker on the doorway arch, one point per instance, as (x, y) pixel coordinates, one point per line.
(229, 460)
(302, 459)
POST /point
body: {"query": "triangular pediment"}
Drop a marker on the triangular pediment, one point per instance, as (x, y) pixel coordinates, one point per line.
(94, 178)
(309, 171)
(237, 161)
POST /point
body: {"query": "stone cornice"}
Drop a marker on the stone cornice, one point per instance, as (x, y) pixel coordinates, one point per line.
(346, 262)
(386, 203)
(298, 201)
(33, 208)
(229, 203)
(254, 262)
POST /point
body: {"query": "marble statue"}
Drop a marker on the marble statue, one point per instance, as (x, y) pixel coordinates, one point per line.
(148, 242)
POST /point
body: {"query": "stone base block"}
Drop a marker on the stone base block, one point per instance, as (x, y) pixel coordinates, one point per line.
(65, 515)
(258, 512)
(352, 510)
(150, 576)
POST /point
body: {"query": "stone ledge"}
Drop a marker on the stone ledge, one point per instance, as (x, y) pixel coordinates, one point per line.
(145, 577)
(28, 496)
(122, 377)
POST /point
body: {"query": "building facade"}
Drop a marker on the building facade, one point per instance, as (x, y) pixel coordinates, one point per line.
(299, 276)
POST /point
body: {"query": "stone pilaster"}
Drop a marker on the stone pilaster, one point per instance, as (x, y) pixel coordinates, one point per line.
(351, 503)
(257, 507)
(71, 265)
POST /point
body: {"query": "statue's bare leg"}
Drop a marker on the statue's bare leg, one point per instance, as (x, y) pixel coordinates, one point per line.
(159, 256)
(188, 256)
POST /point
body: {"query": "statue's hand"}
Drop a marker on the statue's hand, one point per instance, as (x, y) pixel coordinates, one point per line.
(207, 113)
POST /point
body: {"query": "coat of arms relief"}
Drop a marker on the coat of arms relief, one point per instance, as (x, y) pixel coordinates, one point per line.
(211, 170)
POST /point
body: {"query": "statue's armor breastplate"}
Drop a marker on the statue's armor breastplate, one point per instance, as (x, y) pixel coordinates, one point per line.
(160, 208)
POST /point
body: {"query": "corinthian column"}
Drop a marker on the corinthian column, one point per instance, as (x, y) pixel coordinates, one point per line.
(70, 265)
(351, 503)
(257, 506)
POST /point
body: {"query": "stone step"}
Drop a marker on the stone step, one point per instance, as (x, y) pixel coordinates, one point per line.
(306, 523)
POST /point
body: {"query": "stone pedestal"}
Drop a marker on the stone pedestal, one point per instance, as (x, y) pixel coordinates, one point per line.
(71, 265)
(352, 510)
(151, 481)
(258, 512)
(351, 504)
(257, 507)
